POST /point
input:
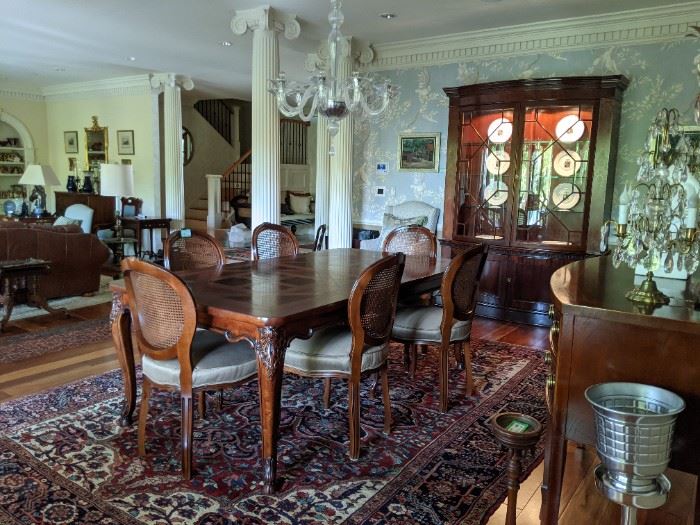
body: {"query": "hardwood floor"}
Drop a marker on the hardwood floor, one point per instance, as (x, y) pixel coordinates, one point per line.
(579, 497)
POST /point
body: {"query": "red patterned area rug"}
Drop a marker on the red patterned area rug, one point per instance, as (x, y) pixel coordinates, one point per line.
(64, 460)
(33, 344)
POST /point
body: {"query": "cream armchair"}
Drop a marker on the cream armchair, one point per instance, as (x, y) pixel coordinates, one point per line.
(396, 216)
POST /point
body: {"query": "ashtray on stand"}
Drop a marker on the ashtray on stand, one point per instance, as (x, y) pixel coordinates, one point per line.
(518, 433)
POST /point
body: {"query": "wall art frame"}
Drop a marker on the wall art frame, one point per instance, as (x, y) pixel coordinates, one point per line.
(125, 142)
(70, 141)
(419, 152)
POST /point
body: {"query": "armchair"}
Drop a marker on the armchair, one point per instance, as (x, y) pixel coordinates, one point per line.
(394, 215)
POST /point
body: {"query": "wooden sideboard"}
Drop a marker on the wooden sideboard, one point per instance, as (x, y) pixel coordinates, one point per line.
(104, 207)
(599, 336)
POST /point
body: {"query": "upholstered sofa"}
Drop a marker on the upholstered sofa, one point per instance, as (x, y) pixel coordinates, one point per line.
(424, 215)
(76, 257)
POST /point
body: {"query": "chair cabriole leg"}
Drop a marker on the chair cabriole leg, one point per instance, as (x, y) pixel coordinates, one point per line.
(186, 402)
(387, 400)
(468, 374)
(354, 418)
(327, 392)
(143, 415)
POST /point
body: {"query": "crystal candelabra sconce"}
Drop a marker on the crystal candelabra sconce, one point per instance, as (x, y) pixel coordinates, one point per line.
(657, 219)
(326, 93)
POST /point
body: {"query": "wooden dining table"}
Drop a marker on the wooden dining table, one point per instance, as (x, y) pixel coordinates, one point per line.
(269, 303)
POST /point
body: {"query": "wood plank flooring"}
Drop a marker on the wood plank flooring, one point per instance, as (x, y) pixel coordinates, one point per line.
(50, 370)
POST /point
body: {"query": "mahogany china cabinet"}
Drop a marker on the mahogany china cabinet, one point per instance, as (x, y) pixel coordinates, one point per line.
(530, 171)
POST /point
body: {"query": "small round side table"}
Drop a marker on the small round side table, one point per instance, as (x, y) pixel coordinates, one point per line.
(518, 433)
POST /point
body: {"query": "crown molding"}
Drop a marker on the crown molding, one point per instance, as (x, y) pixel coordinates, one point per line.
(639, 26)
(118, 86)
(22, 93)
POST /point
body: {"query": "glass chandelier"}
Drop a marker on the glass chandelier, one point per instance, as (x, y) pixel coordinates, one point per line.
(326, 93)
(657, 220)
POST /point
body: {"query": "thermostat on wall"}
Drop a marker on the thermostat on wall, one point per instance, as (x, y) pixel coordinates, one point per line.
(380, 191)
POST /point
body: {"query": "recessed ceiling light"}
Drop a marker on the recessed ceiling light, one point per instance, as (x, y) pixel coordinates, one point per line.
(226, 43)
(388, 16)
(131, 59)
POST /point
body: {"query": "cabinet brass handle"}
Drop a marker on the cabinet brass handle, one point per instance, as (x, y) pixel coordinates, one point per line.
(548, 358)
(555, 328)
(551, 381)
(550, 312)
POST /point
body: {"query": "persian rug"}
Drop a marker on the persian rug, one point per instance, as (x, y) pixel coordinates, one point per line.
(33, 344)
(63, 459)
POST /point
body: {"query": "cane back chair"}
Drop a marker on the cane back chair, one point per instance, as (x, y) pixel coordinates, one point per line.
(176, 356)
(200, 250)
(336, 352)
(411, 240)
(272, 240)
(449, 325)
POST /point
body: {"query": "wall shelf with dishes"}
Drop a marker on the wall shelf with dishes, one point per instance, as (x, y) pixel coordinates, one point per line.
(12, 154)
(530, 171)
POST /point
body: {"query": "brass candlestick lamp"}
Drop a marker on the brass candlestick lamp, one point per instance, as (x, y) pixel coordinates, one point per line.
(657, 219)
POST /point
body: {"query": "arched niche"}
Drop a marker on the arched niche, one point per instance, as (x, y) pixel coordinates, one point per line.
(24, 135)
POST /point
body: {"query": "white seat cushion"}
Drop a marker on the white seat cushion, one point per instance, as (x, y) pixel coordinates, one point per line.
(422, 323)
(328, 350)
(215, 362)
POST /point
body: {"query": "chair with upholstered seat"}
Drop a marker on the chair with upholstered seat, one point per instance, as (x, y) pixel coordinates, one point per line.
(199, 250)
(272, 240)
(404, 214)
(82, 213)
(176, 356)
(449, 325)
(349, 354)
(411, 240)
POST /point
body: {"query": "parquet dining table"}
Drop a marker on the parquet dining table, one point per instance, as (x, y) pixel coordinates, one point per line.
(269, 303)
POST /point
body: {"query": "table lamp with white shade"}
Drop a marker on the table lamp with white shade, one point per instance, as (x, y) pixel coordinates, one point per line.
(39, 176)
(117, 180)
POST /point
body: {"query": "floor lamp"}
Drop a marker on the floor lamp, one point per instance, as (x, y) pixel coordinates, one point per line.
(39, 176)
(117, 180)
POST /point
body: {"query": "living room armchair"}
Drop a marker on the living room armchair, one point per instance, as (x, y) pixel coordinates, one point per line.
(409, 212)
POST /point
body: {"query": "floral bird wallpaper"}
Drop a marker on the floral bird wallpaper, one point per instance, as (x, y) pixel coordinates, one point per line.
(661, 75)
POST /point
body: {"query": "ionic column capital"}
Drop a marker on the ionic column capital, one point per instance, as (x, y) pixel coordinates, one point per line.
(163, 80)
(265, 18)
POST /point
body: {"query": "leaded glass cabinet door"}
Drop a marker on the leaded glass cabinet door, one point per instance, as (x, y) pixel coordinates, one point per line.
(555, 168)
(485, 172)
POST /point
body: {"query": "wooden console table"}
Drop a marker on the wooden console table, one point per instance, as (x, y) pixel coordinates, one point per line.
(23, 276)
(599, 336)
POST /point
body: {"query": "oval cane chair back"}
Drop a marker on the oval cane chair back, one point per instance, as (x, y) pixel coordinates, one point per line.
(411, 240)
(272, 240)
(372, 303)
(460, 284)
(190, 253)
(162, 310)
(321, 238)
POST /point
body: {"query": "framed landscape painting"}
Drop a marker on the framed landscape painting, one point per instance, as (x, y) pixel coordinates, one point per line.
(419, 151)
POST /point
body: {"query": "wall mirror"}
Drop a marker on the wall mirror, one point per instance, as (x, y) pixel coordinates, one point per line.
(187, 146)
(96, 145)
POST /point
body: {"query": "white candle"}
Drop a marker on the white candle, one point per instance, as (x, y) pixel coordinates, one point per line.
(622, 213)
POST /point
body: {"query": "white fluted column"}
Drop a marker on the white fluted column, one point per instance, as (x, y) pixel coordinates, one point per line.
(265, 23)
(213, 201)
(322, 172)
(340, 181)
(174, 190)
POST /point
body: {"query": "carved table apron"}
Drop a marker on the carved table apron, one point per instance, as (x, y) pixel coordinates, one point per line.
(269, 303)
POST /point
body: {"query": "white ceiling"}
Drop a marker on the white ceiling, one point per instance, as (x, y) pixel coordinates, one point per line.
(48, 42)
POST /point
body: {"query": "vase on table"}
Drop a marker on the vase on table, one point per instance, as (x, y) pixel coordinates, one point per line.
(72, 184)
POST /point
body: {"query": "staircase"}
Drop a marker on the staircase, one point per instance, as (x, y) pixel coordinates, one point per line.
(236, 179)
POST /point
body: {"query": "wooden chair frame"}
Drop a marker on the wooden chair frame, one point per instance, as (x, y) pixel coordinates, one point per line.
(131, 201)
(177, 235)
(360, 341)
(278, 228)
(180, 350)
(415, 229)
(449, 314)
(321, 239)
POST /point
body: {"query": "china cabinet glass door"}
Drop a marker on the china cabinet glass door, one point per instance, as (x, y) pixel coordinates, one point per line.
(554, 176)
(485, 174)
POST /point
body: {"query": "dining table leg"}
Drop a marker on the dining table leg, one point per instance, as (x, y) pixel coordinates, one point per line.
(270, 347)
(121, 336)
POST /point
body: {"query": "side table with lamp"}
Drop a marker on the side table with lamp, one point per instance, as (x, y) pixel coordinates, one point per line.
(117, 180)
